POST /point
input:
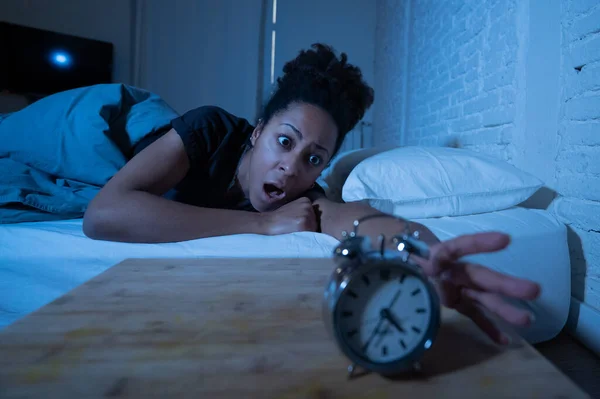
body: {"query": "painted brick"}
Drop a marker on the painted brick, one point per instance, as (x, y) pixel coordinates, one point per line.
(472, 47)
(580, 159)
(469, 91)
(578, 7)
(584, 51)
(498, 151)
(435, 130)
(478, 105)
(578, 185)
(467, 123)
(582, 214)
(484, 136)
(585, 133)
(583, 108)
(390, 66)
(472, 63)
(585, 246)
(452, 86)
(440, 104)
(451, 113)
(584, 81)
(498, 116)
(589, 24)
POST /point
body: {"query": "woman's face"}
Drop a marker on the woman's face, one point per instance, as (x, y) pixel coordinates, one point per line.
(288, 155)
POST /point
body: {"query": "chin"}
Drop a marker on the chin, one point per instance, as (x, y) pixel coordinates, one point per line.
(261, 206)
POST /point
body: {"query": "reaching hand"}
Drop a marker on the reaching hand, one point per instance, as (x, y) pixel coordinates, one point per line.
(467, 286)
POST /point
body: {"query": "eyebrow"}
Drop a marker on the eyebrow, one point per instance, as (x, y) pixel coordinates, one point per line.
(301, 137)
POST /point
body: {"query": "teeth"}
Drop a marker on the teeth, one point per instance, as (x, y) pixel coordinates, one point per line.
(273, 190)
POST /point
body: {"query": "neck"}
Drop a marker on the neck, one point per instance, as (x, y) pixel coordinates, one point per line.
(243, 173)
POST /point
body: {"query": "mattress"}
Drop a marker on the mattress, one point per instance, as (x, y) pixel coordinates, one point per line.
(41, 261)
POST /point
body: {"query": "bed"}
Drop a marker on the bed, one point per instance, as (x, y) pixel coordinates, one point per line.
(83, 137)
(40, 261)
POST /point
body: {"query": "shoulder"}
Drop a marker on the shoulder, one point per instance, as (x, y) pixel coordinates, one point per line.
(211, 117)
(205, 128)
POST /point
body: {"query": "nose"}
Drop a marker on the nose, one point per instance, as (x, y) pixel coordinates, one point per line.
(289, 165)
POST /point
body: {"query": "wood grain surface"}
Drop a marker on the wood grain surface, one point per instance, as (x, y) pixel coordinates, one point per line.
(236, 328)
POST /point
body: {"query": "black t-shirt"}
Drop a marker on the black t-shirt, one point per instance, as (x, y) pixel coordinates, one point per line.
(214, 141)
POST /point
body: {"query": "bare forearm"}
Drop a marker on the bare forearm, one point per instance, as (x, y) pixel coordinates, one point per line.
(137, 216)
(336, 218)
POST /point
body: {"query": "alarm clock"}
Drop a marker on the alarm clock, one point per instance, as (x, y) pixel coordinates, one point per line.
(379, 306)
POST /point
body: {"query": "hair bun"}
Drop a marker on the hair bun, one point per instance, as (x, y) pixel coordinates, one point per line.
(318, 76)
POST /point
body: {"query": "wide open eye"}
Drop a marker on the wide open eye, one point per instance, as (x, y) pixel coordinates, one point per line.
(284, 141)
(315, 160)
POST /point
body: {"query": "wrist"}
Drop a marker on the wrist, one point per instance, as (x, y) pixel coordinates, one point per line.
(262, 223)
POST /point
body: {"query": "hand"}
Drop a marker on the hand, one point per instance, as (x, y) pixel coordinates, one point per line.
(292, 217)
(387, 314)
(468, 287)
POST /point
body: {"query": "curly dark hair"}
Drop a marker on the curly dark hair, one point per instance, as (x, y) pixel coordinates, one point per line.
(318, 77)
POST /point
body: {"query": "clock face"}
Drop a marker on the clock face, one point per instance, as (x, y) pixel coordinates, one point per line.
(384, 314)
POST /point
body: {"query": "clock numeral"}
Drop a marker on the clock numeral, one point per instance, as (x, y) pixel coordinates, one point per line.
(352, 333)
(384, 351)
(420, 310)
(384, 274)
(365, 279)
(352, 294)
(346, 314)
(416, 329)
(402, 344)
(415, 292)
(402, 277)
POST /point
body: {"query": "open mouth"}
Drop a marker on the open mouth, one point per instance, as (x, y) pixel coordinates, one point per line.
(273, 192)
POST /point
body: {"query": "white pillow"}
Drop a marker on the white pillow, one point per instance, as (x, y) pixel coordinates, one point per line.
(422, 182)
(332, 179)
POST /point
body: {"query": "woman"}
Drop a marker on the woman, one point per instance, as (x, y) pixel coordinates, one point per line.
(214, 174)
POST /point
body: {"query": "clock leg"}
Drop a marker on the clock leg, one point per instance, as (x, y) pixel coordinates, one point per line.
(352, 372)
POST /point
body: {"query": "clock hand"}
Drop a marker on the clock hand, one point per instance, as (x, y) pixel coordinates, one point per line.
(373, 334)
(381, 336)
(395, 298)
(386, 314)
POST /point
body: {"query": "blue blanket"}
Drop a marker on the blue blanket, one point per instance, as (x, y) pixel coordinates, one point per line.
(57, 153)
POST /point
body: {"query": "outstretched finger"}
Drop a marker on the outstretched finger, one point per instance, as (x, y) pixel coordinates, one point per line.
(492, 281)
(446, 252)
(470, 244)
(472, 275)
(467, 308)
(497, 305)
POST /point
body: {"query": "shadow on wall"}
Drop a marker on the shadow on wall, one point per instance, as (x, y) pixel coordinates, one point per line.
(453, 142)
(542, 199)
(579, 264)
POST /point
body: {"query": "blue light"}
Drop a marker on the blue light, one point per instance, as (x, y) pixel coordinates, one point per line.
(61, 59)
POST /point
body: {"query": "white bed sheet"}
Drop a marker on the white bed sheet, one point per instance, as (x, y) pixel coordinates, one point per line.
(41, 261)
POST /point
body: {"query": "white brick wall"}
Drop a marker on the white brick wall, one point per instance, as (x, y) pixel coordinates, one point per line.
(578, 160)
(389, 93)
(517, 79)
(466, 91)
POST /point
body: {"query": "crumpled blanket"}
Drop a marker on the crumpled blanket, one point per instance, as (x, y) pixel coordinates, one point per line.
(57, 153)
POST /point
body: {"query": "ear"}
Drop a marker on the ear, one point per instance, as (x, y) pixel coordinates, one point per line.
(256, 133)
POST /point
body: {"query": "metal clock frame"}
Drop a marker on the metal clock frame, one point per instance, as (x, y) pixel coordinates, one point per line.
(353, 257)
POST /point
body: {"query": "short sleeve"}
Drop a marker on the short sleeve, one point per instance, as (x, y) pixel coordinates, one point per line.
(200, 133)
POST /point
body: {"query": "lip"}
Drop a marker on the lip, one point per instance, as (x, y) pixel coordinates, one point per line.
(274, 198)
